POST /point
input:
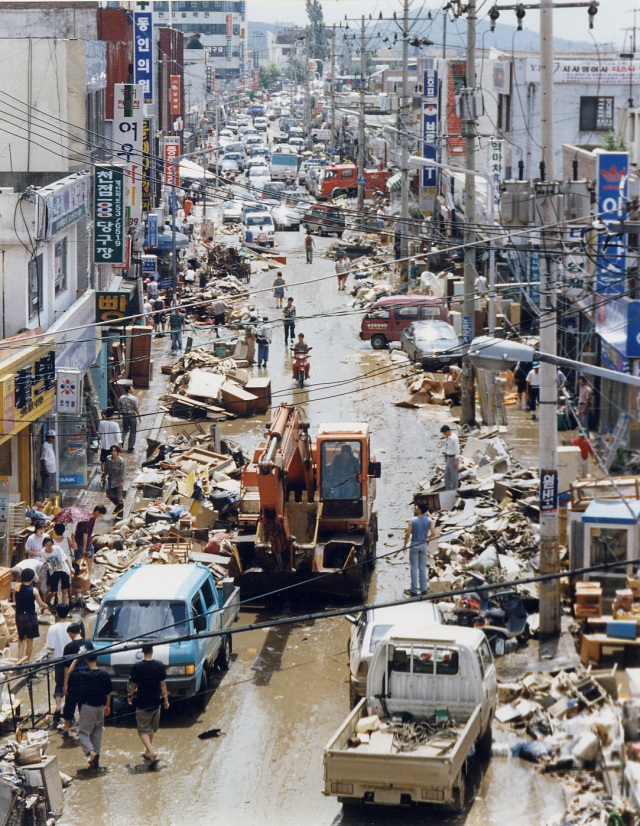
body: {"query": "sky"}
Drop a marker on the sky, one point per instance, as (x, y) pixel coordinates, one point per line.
(613, 16)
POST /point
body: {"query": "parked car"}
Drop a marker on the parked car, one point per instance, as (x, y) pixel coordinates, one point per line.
(259, 173)
(237, 158)
(261, 124)
(369, 627)
(227, 166)
(388, 317)
(285, 218)
(324, 219)
(255, 221)
(231, 211)
(432, 343)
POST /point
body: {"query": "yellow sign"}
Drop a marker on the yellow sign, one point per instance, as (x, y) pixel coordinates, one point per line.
(27, 386)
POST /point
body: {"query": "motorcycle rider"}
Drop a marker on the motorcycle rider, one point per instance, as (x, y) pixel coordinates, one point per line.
(300, 348)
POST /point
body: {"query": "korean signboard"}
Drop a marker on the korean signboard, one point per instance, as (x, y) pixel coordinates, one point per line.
(28, 391)
(497, 168)
(66, 205)
(146, 165)
(112, 307)
(429, 137)
(612, 172)
(548, 491)
(228, 48)
(143, 52)
(152, 230)
(128, 139)
(68, 391)
(229, 25)
(600, 72)
(174, 92)
(109, 234)
(171, 152)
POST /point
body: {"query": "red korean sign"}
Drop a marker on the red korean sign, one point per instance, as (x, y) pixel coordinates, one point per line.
(229, 25)
(174, 94)
(171, 152)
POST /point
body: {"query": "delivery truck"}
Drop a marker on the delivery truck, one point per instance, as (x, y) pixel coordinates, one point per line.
(284, 167)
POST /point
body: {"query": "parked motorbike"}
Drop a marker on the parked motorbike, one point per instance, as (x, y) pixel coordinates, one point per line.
(301, 366)
(500, 614)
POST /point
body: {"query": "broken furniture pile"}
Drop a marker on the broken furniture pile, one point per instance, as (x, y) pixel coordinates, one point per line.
(30, 782)
(214, 387)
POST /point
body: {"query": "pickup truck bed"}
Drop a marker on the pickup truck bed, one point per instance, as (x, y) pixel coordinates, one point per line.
(378, 772)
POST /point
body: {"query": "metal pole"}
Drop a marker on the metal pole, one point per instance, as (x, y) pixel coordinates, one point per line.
(467, 414)
(404, 153)
(444, 31)
(333, 87)
(550, 612)
(173, 213)
(217, 137)
(307, 90)
(204, 171)
(363, 71)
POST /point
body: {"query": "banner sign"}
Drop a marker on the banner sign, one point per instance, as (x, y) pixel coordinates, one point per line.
(548, 491)
(429, 177)
(128, 140)
(68, 391)
(229, 25)
(108, 214)
(143, 52)
(66, 205)
(497, 168)
(112, 307)
(171, 151)
(174, 91)
(152, 231)
(612, 173)
(598, 72)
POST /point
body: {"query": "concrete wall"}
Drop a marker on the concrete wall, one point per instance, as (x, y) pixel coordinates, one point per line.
(46, 113)
(64, 20)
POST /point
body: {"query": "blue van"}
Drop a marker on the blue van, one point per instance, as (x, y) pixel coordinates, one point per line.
(158, 604)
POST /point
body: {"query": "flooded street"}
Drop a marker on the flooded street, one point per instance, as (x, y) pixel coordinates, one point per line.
(286, 691)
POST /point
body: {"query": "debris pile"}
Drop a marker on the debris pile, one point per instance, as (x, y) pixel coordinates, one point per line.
(31, 785)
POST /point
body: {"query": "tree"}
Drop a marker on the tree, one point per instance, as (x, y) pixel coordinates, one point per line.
(194, 43)
(268, 75)
(613, 142)
(317, 38)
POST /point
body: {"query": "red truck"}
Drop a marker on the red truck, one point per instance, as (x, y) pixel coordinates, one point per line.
(342, 178)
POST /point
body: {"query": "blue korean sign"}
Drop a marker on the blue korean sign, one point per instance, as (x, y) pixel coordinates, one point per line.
(143, 52)
(612, 173)
(467, 329)
(534, 277)
(548, 491)
(429, 125)
(152, 230)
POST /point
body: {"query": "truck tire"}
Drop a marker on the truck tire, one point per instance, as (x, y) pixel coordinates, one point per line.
(483, 746)
(224, 653)
(379, 342)
(201, 696)
(459, 792)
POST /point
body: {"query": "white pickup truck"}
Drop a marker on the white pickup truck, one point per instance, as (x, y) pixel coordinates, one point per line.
(431, 697)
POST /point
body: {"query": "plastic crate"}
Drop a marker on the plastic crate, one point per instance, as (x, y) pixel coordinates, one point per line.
(17, 516)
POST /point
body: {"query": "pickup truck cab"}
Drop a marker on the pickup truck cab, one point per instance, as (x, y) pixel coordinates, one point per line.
(443, 676)
(389, 317)
(159, 604)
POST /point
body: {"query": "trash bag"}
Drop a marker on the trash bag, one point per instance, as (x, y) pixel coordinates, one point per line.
(531, 751)
(539, 725)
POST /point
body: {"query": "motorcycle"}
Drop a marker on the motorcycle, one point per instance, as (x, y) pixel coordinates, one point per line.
(300, 366)
(500, 614)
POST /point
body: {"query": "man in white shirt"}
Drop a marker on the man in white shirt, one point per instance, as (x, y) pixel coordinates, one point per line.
(57, 638)
(480, 285)
(452, 458)
(109, 435)
(48, 462)
(533, 389)
(584, 402)
(264, 334)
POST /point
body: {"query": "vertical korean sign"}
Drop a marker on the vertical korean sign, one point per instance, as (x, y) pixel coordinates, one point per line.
(612, 173)
(429, 136)
(127, 137)
(229, 25)
(497, 169)
(171, 152)
(109, 235)
(143, 53)
(174, 92)
(146, 164)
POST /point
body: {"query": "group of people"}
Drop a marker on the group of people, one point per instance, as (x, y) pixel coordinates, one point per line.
(527, 377)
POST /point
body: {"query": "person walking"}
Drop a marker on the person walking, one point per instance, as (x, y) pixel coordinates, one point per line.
(148, 684)
(57, 639)
(176, 324)
(49, 462)
(520, 373)
(264, 335)
(343, 266)
(419, 531)
(73, 671)
(584, 403)
(289, 315)
(187, 206)
(219, 309)
(452, 458)
(533, 389)
(191, 226)
(159, 316)
(309, 244)
(84, 535)
(26, 597)
(58, 571)
(279, 287)
(95, 705)
(109, 435)
(128, 405)
(152, 290)
(115, 485)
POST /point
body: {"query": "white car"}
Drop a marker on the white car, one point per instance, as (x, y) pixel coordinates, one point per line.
(285, 218)
(259, 173)
(226, 133)
(231, 211)
(259, 222)
(250, 140)
(297, 143)
(261, 124)
(229, 166)
(371, 626)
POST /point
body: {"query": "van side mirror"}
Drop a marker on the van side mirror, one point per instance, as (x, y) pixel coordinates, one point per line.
(200, 623)
(375, 470)
(351, 618)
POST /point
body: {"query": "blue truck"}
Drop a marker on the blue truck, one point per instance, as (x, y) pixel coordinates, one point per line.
(284, 167)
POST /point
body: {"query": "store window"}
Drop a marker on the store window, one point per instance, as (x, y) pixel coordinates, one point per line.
(35, 286)
(596, 114)
(60, 266)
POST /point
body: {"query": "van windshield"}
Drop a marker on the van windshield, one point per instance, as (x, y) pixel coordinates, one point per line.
(126, 619)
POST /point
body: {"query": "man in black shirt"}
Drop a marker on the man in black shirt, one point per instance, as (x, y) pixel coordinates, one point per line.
(73, 669)
(148, 683)
(95, 705)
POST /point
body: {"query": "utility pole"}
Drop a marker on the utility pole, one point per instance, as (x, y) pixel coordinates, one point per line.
(550, 613)
(468, 307)
(363, 72)
(404, 151)
(333, 87)
(307, 91)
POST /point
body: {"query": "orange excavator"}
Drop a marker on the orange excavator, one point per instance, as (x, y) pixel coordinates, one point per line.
(307, 510)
